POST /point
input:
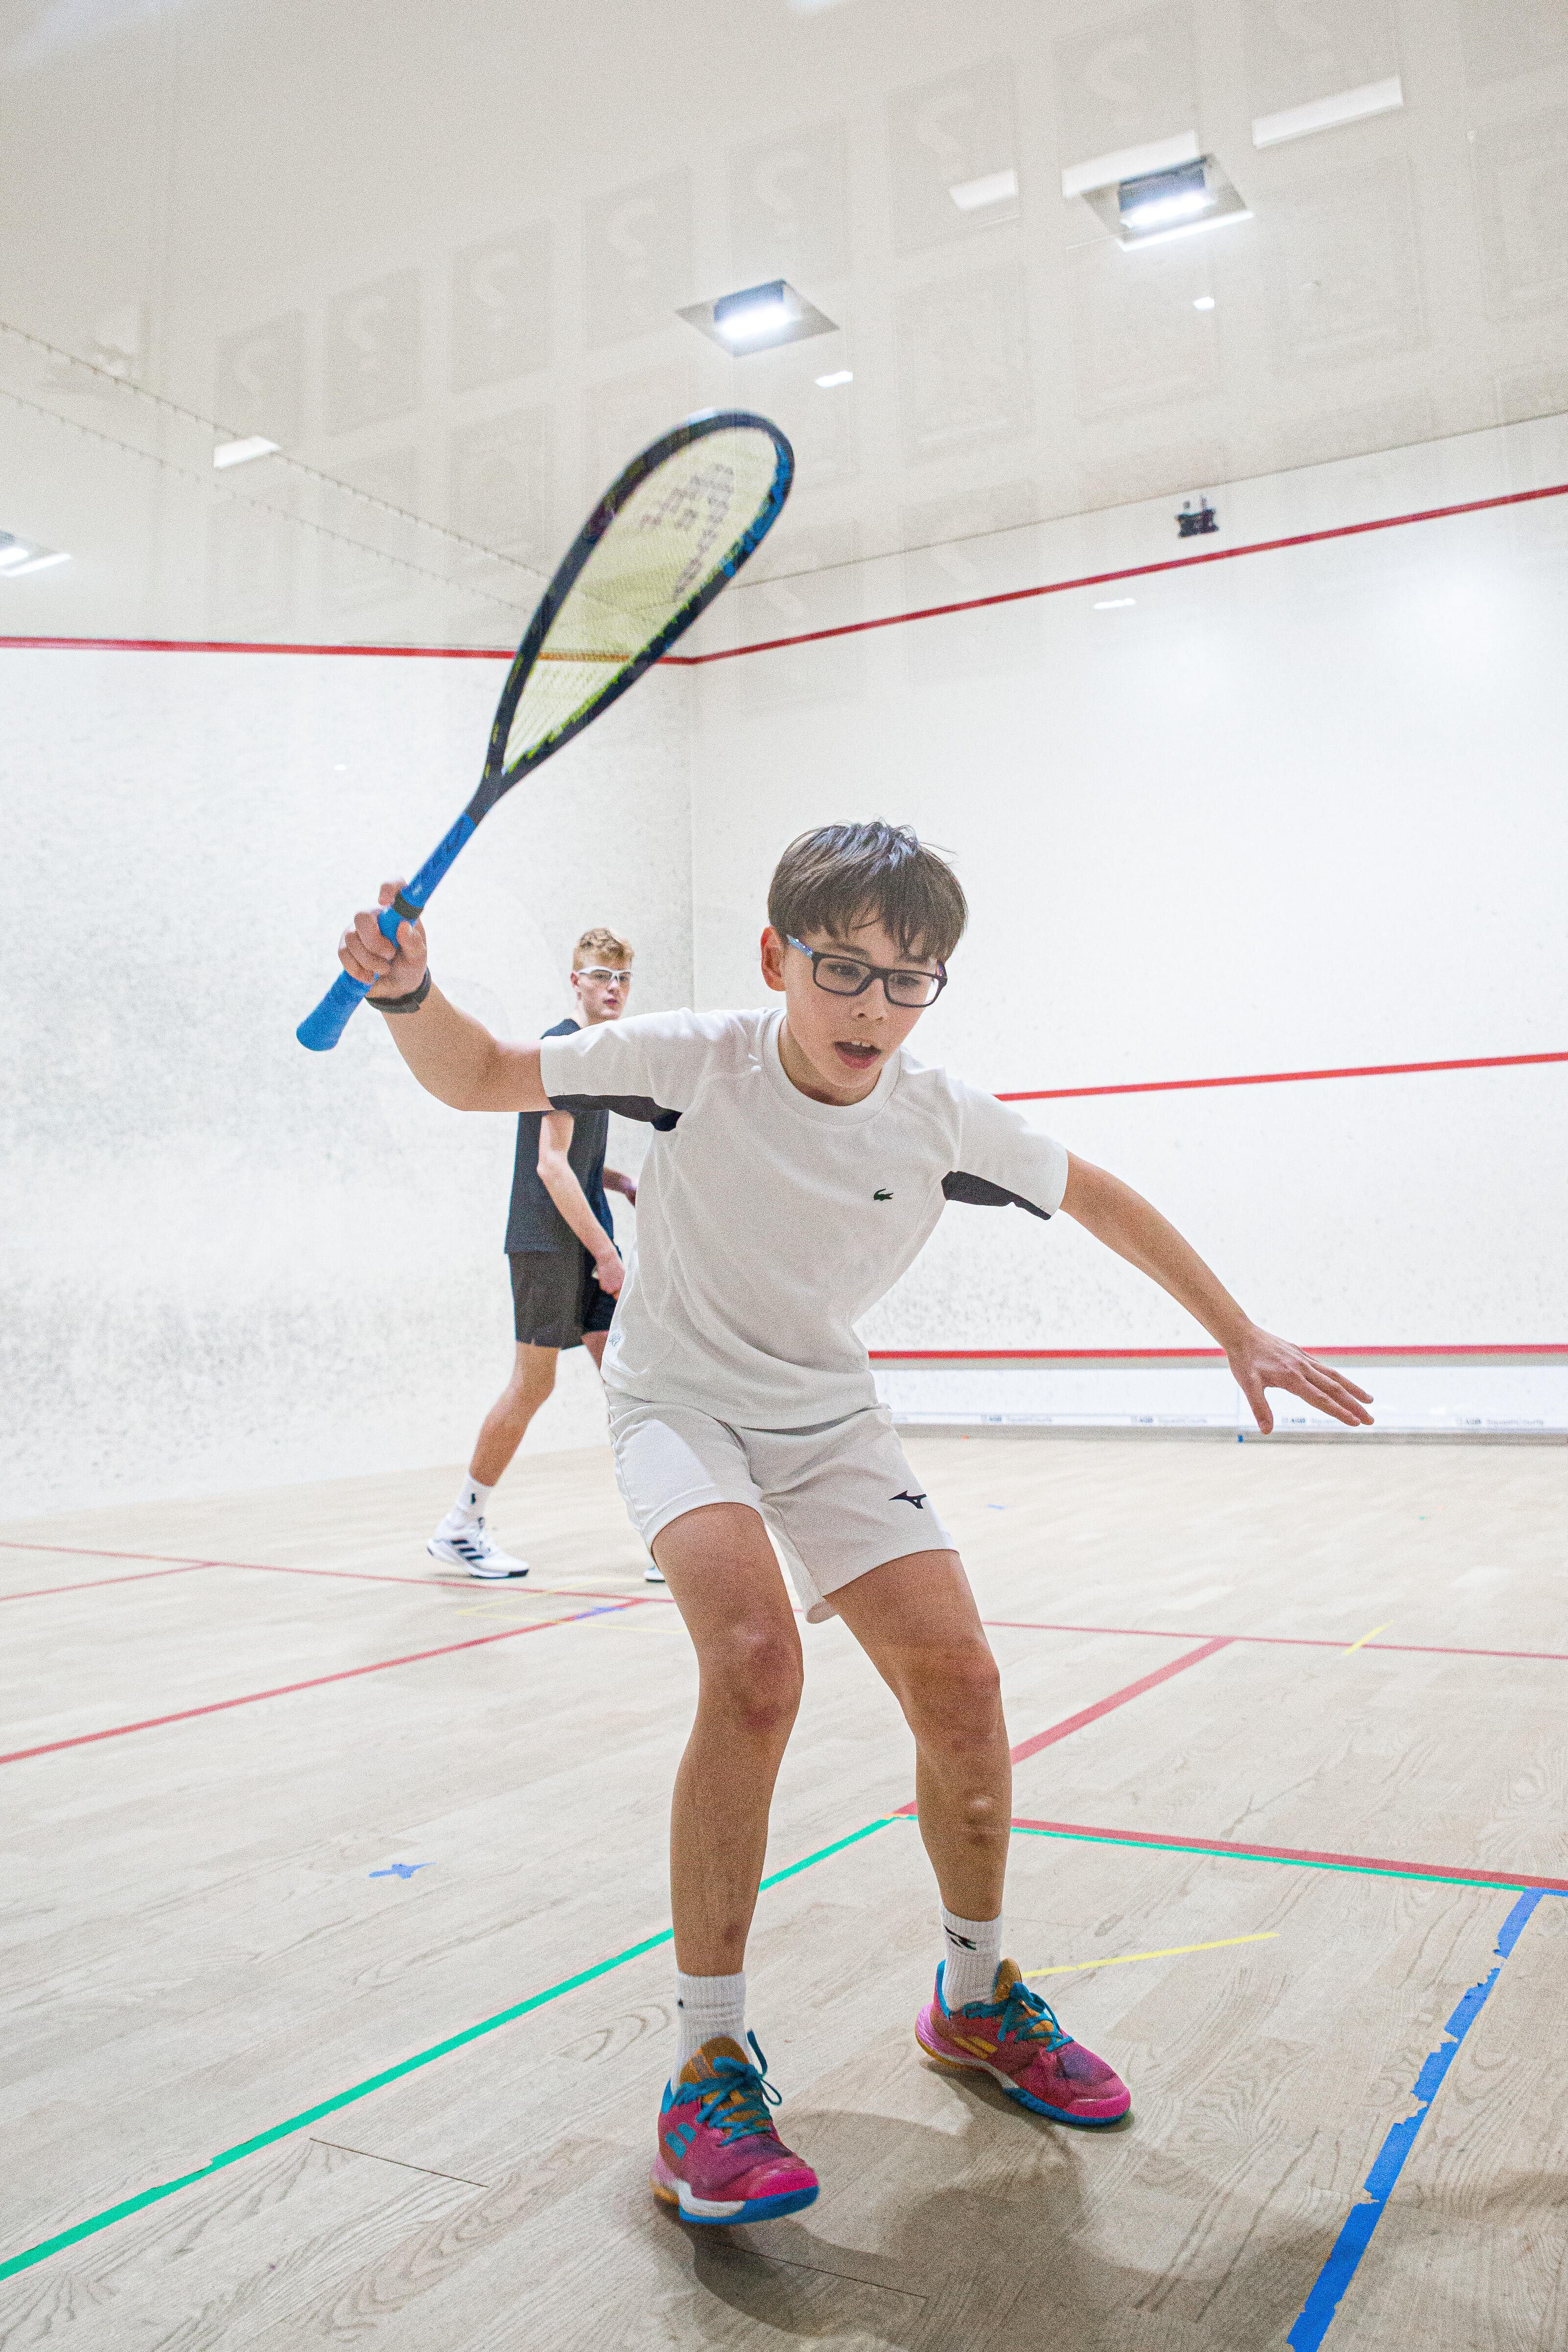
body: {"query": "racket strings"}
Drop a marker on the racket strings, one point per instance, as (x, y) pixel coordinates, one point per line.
(681, 527)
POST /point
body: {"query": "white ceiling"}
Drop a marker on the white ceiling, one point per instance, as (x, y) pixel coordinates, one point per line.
(437, 252)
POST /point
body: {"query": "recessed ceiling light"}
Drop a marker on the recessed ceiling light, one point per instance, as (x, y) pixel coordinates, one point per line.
(1203, 302)
(240, 452)
(1162, 191)
(760, 314)
(839, 375)
(1114, 603)
(992, 188)
(44, 563)
(757, 318)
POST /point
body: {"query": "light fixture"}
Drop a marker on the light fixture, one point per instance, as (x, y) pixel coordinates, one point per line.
(838, 376)
(1146, 195)
(1114, 603)
(990, 188)
(757, 318)
(1329, 113)
(18, 556)
(1203, 302)
(761, 314)
(240, 452)
(1161, 199)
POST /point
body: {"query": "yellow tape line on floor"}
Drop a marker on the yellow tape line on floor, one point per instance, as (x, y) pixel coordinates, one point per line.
(1171, 1952)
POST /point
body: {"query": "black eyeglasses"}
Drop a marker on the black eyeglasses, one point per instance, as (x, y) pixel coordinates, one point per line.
(845, 975)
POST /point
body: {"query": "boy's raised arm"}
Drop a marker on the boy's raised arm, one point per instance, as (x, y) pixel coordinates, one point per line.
(1127, 1224)
(452, 1056)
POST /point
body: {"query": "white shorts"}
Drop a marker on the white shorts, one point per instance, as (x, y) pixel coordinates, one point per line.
(839, 1498)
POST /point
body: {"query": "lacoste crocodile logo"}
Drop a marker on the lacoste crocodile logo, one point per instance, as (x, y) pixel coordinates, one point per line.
(882, 1196)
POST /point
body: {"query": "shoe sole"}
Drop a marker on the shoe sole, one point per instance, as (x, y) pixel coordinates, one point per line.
(479, 1575)
(1019, 2096)
(734, 2214)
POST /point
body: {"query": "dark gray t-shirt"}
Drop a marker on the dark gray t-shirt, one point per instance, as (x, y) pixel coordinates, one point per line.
(534, 1221)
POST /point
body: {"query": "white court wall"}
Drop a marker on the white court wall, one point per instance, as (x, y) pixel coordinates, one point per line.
(1303, 809)
(228, 1261)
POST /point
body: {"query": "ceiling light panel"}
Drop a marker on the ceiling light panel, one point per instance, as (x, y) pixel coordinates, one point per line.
(1178, 199)
(1329, 113)
(20, 556)
(758, 317)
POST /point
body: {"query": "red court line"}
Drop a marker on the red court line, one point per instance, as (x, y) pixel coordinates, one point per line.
(1102, 1706)
(1133, 572)
(1300, 1854)
(815, 637)
(92, 1583)
(1284, 1077)
(241, 646)
(1191, 1355)
(347, 1675)
(1281, 1641)
(277, 1568)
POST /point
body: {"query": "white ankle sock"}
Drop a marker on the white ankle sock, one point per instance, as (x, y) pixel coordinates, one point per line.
(473, 1499)
(706, 2006)
(972, 1957)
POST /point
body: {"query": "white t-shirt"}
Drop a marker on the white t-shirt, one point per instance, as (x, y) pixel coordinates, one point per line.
(768, 1223)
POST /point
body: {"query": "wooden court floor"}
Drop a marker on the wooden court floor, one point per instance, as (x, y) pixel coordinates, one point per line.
(337, 1988)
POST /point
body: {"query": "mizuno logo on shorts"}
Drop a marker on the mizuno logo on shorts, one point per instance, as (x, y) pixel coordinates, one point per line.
(918, 1501)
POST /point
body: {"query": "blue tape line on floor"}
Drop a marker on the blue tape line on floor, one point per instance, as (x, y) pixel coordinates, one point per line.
(1318, 2311)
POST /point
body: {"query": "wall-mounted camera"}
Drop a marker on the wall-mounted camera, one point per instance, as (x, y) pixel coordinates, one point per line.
(1195, 520)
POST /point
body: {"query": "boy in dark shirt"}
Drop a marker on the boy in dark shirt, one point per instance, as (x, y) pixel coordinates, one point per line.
(565, 1270)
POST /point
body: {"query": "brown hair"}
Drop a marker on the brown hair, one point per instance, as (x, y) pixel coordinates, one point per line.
(842, 876)
(600, 945)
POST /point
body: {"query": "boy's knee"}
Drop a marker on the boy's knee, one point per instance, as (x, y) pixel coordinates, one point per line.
(956, 1700)
(757, 1670)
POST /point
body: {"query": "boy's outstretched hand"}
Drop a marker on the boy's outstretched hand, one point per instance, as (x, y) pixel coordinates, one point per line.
(368, 956)
(1261, 1361)
(1126, 1222)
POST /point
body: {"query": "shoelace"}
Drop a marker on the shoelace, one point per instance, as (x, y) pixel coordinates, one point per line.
(736, 2103)
(1026, 2018)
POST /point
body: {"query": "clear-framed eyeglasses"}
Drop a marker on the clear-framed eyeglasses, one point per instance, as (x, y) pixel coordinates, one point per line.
(599, 973)
(848, 975)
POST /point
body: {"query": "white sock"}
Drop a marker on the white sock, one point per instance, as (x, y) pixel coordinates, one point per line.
(971, 1958)
(473, 1499)
(706, 2006)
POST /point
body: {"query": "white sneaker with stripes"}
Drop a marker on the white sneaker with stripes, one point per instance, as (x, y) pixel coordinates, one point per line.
(465, 1544)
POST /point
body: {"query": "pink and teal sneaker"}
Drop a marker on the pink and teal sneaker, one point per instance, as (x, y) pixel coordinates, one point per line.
(1015, 2038)
(719, 2159)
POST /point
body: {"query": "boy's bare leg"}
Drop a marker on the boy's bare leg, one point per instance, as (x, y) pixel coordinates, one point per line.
(727, 1584)
(916, 1619)
(506, 1423)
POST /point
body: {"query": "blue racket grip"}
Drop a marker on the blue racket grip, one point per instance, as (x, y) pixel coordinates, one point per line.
(320, 1031)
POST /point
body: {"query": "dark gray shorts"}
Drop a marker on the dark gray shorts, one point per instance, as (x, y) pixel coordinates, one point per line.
(555, 1299)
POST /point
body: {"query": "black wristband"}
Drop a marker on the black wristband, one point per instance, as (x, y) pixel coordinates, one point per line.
(409, 1003)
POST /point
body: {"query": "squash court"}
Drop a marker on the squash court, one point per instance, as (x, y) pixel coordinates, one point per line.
(228, 1949)
(916, 655)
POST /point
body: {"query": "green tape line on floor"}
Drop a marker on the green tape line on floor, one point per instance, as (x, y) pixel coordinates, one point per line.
(220, 2163)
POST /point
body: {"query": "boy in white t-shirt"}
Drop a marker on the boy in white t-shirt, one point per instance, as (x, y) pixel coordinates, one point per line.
(799, 1162)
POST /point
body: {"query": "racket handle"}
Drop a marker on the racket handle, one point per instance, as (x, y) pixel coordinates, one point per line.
(320, 1030)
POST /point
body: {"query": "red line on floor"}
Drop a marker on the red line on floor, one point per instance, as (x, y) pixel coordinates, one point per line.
(1278, 1641)
(315, 1682)
(1284, 1077)
(279, 1568)
(244, 646)
(1300, 1854)
(92, 1583)
(1200, 1355)
(1071, 1722)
